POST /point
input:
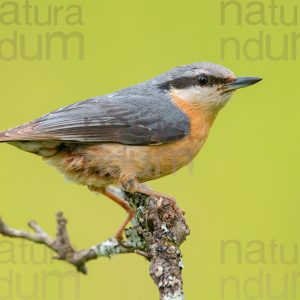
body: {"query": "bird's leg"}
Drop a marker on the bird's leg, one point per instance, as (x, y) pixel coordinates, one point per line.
(131, 184)
(124, 204)
(143, 189)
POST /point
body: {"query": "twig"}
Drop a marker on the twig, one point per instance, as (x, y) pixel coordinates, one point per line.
(158, 230)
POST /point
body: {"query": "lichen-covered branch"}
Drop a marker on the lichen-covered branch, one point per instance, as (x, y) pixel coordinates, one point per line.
(62, 246)
(157, 231)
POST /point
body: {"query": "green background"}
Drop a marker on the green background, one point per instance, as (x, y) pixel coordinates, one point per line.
(243, 186)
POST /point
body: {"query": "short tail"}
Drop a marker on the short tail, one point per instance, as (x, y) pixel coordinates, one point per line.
(20, 133)
(4, 137)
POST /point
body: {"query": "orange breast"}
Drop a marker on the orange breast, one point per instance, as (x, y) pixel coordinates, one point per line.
(200, 117)
(167, 158)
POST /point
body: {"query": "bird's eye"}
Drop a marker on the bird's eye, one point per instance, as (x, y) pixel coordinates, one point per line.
(202, 80)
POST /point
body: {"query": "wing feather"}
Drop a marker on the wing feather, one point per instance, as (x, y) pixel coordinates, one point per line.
(121, 117)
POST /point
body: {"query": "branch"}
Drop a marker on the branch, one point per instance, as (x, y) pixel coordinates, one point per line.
(157, 231)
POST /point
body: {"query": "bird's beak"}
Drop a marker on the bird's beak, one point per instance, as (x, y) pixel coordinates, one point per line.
(241, 82)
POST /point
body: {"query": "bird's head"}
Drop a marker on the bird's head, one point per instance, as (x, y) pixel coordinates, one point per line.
(205, 84)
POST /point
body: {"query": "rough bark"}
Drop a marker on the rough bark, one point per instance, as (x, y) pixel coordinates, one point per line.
(157, 231)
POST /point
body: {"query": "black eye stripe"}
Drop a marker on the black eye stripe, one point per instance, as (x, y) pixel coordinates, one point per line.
(185, 82)
(178, 83)
(216, 80)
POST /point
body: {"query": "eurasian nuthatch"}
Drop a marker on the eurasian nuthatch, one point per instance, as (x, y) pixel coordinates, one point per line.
(134, 135)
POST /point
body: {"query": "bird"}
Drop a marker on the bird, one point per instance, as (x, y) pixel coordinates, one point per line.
(134, 135)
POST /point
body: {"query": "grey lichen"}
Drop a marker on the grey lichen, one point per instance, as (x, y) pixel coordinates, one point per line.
(108, 248)
(178, 295)
(134, 238)
(181, 264)
(165, 228)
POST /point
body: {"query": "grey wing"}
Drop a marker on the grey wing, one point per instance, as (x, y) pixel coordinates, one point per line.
(121, 118)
